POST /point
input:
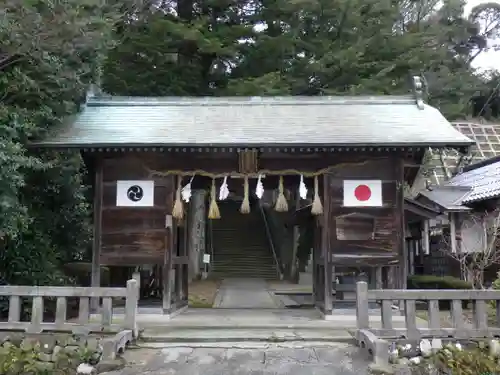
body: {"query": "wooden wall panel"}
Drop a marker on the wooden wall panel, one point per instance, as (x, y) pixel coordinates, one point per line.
(135, 235)
(385, 239)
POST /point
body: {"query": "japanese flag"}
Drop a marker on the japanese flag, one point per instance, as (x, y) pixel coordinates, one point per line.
(362, 193)
(135, 193)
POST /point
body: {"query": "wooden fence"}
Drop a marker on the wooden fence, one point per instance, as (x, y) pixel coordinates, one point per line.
(377, 339)
(83, 323)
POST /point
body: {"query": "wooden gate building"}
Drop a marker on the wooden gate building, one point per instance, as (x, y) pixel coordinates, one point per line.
(354, 155)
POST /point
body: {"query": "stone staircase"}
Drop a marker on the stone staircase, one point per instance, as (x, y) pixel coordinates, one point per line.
(240, 245)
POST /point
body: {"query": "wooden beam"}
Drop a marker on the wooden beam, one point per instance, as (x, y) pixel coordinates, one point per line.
(400, 224)
(167, 266)
(97, 243)
(326, 247)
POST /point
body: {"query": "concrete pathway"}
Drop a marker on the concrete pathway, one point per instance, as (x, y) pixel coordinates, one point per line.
(244, 294)
(243, 359)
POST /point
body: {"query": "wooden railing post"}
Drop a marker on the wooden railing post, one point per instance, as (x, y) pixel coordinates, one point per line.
(362, 320)
(131, 306)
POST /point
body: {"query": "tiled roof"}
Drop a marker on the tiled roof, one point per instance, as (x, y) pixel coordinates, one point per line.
(450, 198)
(239, 121)
(483, 181)
(443, 164)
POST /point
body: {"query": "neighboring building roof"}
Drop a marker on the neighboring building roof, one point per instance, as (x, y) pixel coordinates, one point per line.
(419, 209)
(449, 198)
(444, 164)
(483, 181)
(257, 121)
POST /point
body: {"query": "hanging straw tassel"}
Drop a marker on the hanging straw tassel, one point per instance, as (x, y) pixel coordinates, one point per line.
(213, 210)
(178, 210)
(317, 207)
(281, 204)
(245, 205)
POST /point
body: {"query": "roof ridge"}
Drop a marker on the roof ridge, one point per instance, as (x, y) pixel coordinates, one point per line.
(480, 164)
(108, 100)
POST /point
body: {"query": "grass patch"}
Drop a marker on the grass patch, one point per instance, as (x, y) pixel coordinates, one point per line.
(202, 293)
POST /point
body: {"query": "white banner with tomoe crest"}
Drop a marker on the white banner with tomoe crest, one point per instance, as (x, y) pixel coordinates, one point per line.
(135, 193)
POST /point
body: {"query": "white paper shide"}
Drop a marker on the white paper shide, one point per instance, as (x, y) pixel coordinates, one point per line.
(135, 193)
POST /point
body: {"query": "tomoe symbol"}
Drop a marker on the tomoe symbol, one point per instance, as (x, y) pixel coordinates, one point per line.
(135, 193)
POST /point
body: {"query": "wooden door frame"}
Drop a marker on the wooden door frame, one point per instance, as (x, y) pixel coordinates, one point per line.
(175, 294)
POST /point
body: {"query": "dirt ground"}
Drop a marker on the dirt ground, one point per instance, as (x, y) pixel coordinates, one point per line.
(202, 293)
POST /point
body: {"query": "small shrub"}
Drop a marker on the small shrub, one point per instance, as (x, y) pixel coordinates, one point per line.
(450, 360)
(19, 360)
(15, 360)
(439, 282)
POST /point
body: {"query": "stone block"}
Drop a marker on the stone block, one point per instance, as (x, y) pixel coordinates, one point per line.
(110, 365)
(56, 352)
(44, 357)
(30, 343)
(47, 343)
(93, 343)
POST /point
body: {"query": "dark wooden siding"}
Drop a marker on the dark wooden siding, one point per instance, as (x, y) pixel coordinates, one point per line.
(387, 236)
(134, 235)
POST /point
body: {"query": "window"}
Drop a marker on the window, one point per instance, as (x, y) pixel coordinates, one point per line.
(355, 227)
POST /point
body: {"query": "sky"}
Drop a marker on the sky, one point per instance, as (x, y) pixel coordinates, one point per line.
(490, 59)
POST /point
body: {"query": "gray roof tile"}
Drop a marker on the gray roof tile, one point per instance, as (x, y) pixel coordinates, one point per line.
(448, 197)
(484, 182)
(444, 163)
(328, 121)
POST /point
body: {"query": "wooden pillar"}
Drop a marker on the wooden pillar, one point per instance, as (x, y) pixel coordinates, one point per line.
(379, 283)
(296, 236)
(453, 232)
(400, 224)
(412, 246)
(326, 246)
(425, 239)
(195, 229)
(167, 266)
(95, 279)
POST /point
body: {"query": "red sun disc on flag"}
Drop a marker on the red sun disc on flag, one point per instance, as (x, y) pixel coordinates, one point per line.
(362, 193)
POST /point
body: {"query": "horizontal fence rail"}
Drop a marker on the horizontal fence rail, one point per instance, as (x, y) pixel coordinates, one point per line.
(480, 299)
(83, 323)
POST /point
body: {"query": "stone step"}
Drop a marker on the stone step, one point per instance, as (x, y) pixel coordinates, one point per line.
(221, 274)
(242, 334)
(243, 261)
(242, 257)
(244, 269)
(240, 247)
(243, 272)
(240, 262)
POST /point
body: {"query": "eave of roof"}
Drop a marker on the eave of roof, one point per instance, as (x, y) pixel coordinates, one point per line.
(420, 209)
(316, 122)
(449, 198)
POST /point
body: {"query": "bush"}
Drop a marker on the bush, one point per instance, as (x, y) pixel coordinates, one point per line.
(439, 282)
(450, 360)
(33, 360)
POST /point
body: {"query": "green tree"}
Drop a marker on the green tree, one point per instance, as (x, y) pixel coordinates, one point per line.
(303, 47)
(48, 55)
